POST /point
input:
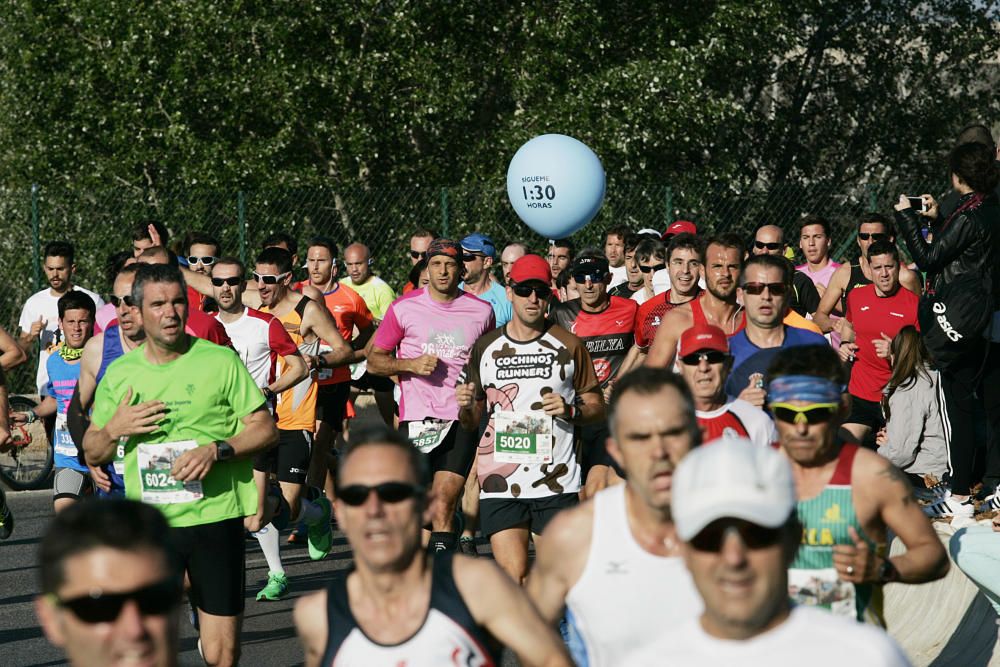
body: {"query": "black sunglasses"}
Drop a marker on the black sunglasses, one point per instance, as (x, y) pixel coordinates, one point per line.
(761, 245)
(524, 291)
(471, 257)
(117, 300)
(416, 254)
(232, 281)
(387, 492)
(711, 356)
(207, 261)
(712, 536)
(654, 268)
(99, 607)
(776, 289)
(864, 236)
(584, 277)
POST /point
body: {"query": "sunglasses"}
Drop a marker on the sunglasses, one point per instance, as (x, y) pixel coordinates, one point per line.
(817, 413)
(232, 281)
(524, 291)
(99, 607)
(116, 301)
(711, 356)
(207, 261)
(761, 245)
(269, 279)
(654, 268)
(387, 492)
(714, 535)
(584, 277)
(864, 236)
(471, 257)
(416, 254)
(776, 289)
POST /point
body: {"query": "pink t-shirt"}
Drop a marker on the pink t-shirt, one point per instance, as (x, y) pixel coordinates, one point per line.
(416, 324)
(821, 277)
(105, 315)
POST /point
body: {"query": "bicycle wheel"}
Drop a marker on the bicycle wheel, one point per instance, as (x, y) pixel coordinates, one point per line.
(27, 463)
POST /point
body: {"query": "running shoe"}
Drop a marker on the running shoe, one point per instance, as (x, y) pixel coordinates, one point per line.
(931, 494)
(949, 507)
(6, 517)
(277, 587)
(320, 533)
(467, 545)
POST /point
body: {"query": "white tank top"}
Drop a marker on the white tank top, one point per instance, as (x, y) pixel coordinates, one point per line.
(626, 596)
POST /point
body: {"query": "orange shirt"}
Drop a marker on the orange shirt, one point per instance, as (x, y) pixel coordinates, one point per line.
(297, 406)
(349, 310)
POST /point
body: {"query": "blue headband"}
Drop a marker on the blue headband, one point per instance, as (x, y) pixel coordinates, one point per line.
(803, 388)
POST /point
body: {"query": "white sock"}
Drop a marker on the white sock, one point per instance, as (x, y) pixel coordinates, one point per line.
(309, 512)
(268, 539)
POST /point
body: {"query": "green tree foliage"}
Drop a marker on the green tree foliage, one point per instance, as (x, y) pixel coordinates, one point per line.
(170, 93)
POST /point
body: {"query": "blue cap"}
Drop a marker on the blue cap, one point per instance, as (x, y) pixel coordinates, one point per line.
(482, 243)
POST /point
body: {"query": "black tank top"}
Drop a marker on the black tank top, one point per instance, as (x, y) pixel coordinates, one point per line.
(448, 636)
(857, 279)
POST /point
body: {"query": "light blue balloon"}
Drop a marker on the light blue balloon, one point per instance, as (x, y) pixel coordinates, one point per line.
(555, 184)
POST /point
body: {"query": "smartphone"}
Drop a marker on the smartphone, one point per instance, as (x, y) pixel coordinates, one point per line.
(918, 203)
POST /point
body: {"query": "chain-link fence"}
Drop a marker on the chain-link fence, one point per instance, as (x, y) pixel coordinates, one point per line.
(99, 223)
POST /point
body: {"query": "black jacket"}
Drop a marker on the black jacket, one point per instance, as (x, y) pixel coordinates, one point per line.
(968, 243)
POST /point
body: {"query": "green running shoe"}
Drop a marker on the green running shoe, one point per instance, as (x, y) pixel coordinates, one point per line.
(321, 533)
(277, 587)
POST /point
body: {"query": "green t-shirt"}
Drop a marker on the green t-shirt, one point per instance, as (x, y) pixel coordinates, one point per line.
(208, 392)
(376, 293)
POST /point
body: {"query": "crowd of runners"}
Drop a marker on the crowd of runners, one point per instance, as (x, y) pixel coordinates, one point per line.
(680, 447)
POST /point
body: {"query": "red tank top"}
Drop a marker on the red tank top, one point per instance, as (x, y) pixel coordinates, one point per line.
(698, 317)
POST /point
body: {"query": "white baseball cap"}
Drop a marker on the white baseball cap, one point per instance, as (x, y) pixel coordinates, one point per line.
(731, 478)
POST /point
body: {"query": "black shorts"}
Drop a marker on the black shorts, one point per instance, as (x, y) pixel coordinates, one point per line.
(331, 404)
(594, 448)
(455, 453)
(214, 556)
(289, 460)
(496, 514)
(867, 413)
(373, 382)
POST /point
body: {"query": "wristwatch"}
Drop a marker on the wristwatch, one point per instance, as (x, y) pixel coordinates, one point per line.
(224, 451)
(269, 395)
(887, 572)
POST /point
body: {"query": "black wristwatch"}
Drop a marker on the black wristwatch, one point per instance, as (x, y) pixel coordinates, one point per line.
(269, 395)
(887, 572)
(224, 451)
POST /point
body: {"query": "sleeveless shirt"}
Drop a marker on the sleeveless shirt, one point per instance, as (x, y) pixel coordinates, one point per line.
(813, 580)
(449, 634)
(698, 318)
(657, 591)
(297, 406)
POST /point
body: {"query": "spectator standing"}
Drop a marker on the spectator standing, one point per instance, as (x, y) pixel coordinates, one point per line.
(914, 439)
(964, 252)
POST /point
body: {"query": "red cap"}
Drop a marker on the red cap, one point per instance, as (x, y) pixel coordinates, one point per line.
(703, 337)
(680, 227)
(531, 267)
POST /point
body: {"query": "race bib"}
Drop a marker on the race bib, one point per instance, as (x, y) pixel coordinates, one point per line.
(823, 588)
(63, 441)
(119, 461)
(155, 463)
(324, 373)
(428, 433)
(522, 437)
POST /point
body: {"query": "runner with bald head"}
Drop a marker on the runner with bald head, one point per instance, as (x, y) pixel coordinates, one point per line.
(770, 240)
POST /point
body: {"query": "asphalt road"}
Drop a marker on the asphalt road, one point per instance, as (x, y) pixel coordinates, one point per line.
(268, 636)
